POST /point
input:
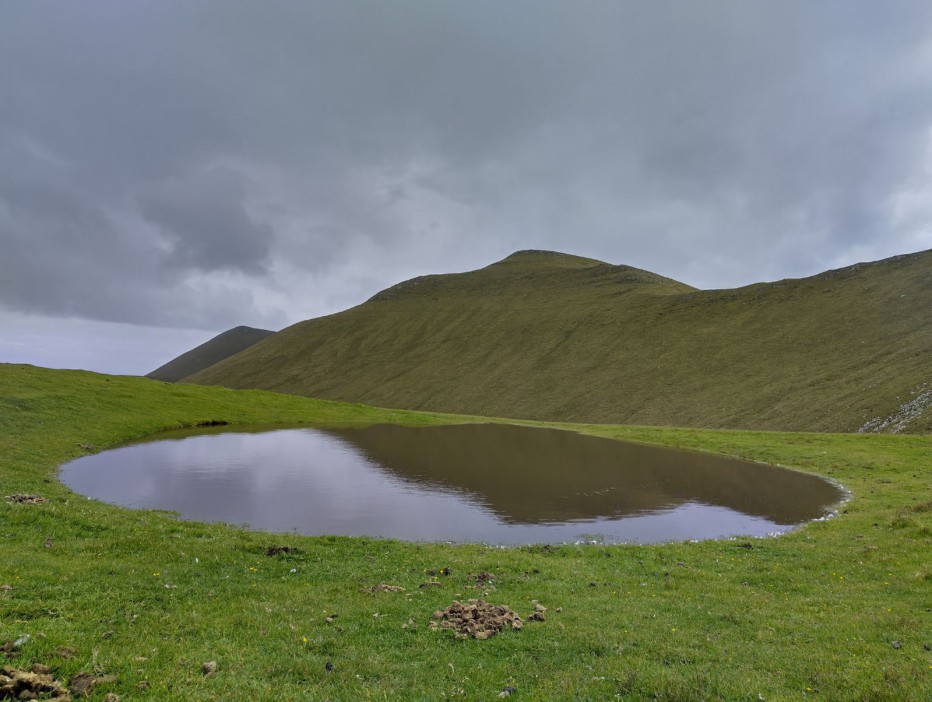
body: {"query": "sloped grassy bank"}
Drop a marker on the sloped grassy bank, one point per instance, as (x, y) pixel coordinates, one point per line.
(839, 610)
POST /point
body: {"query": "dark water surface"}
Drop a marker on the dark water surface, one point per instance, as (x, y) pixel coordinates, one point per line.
(490, 483)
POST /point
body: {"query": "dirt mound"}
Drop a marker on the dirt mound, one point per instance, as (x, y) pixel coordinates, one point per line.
(83, 684)
(26, 499)
(476, 618)
(275, 550)
(382, 587)
(17, 684)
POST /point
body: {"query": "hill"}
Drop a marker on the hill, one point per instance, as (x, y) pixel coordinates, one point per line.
(222, 346)
(543, 335)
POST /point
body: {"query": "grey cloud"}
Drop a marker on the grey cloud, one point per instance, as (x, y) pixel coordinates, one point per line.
(204, 217)
(65, 254)
(296, 157)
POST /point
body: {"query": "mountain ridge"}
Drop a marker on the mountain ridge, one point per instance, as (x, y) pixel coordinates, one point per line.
(549, 336)
(220, 347)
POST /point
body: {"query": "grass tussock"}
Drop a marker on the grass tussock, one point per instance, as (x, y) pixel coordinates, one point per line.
(149, 607)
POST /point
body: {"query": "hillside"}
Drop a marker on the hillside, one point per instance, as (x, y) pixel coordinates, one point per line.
(542, 335)
(222, 346)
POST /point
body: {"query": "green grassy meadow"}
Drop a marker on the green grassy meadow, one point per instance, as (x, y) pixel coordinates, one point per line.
(838, 610)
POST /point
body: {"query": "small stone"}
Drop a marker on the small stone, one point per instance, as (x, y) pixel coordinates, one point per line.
(508, 691)
(329, 667)
(896, 644)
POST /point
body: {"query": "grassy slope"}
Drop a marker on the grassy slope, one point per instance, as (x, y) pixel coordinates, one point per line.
(811, 615)
(222, 346)
(550, 336)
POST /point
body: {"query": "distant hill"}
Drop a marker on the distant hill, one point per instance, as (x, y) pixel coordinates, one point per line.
(544, 335)
(210, 352)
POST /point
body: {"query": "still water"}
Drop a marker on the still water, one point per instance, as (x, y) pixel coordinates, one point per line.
(488, 483)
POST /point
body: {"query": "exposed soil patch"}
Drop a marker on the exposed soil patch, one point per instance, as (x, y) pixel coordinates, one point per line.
(18, 684)
(83, 683)
(539, 613)
(26, 499)
(477, 619)
(382, 587)
(11, 648)
(483, 581)
(275, 550)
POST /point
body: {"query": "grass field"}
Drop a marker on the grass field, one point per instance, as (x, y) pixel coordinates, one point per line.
(838, 610)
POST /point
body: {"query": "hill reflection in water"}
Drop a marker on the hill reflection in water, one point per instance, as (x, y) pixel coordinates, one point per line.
(492, 483)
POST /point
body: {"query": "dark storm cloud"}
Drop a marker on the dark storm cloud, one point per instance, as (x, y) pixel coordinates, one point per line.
(211, 163)
(205, 220)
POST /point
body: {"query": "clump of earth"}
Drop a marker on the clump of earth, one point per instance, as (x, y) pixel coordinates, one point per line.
(35, 684)
(477, 619)
(26, 499)
(275, 550)
(382, 587)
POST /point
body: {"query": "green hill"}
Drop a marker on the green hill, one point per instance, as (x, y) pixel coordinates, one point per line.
(543, 335)
(222, 346)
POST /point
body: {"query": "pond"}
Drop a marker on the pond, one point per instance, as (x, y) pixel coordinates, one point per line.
(484, 483)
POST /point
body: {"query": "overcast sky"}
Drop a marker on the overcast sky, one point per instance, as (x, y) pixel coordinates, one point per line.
(172, 169)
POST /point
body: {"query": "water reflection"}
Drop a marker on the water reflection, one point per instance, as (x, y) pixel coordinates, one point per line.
(497, 484)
